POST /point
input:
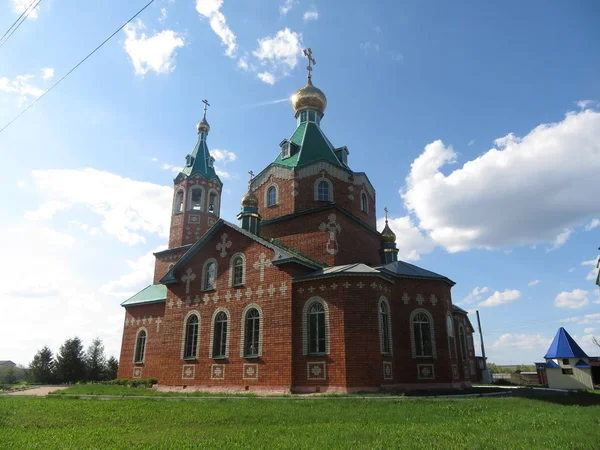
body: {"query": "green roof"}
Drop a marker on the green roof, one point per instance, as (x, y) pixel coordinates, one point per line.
(311, 146)
(200, 163)
(150, 294)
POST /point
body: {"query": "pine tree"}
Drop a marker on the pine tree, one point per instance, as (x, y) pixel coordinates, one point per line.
(112, 368)
(70, 362)
(95, 361)
(42, 366)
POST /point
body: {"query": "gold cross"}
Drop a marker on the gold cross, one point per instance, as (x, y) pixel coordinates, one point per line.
(386, 211)
(311, 60)
(251, 176)
(206, 105)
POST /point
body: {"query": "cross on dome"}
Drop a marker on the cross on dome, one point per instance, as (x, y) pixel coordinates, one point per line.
(311, 60)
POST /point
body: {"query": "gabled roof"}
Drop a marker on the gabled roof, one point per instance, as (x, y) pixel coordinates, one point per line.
(563, 346)
(281, 255)
(154, 293)
(312, 145)
(404, 269)
(581, 364)
(200, 165)
(458, 309)
(347, 269)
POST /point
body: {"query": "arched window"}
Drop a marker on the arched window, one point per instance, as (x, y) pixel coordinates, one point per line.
(140, 346)
(385, 335)
(190, 345)
(252, 333)
(463, 343)
(323, 191)
(363, 202)
(272, 196)
(213, 203)
(178, 206)
(316, 328)
(237, 267)
(209, 278)
(220, 336)
(451, 339)
(195, 199)
(421, 327)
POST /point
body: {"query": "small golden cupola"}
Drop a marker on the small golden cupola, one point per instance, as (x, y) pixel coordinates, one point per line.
(203, 126)
(309, 97)
(249, 217)
(388, 251)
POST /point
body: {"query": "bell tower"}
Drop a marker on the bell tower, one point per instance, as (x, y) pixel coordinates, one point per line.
(197, 193)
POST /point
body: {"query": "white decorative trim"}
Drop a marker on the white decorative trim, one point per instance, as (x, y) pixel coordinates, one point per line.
(137, 333)
(261, 264)
(384, 300)
(203, 198)
(138, 372)
(204, 267)
(232, 271)
(305, 309)
(217, 371)
(250, 372)
(223, 245)
(316, 370)
(405, 298)
(332, 228)
(455, 375)
(388, 372)
(363, 192)
(282, 173)
(266, 195)
(243, 329)
(419, 299)
(425, 372)
(188, 278)
(196, 313)
(212, 331)
(188, 372)
(431, 329)
(316, 189)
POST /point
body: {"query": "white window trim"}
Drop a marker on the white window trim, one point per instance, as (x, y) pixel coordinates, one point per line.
(316, 189)
(305, 309)
(217, 202)
(175, 202)
(366, 210)
(204, 268)
(384, 300)
(269, 186)
(231, 270)
(212, 333)
(183, 335)
(189, 197)
(135, 345)
(243, 330)
(412, 334)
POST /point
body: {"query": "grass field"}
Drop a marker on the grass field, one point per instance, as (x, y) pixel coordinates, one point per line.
(68, 423)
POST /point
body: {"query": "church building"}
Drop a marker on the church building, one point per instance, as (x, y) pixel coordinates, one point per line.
(303, 294)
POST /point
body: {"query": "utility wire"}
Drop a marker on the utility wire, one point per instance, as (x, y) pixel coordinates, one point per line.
(76, 66)
(28, 11)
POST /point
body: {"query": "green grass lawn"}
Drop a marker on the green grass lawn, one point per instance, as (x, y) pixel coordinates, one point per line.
(68, 423)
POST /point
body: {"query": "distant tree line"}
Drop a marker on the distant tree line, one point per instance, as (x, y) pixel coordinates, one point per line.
(71, 364)
(511, 369)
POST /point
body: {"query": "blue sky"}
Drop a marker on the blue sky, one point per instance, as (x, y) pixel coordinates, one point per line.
(478, 124)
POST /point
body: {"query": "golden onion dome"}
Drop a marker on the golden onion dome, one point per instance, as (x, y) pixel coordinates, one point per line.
(250, 200)
(203, 126)
(309, 97)
(387, 235)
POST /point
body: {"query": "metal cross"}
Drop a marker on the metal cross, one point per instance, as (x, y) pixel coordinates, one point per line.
(251, 176)
(206, 105)
(386, 211)
(308, 54)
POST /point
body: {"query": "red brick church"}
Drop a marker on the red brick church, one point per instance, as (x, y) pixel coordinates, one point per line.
(302, 295)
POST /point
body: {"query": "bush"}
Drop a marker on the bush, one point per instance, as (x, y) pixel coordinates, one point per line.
(137, 382)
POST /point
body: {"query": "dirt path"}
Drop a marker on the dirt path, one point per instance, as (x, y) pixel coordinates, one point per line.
(38, 391)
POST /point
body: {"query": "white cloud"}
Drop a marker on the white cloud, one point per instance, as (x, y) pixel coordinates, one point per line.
(223, 174)
(311, 14)
(533, 283)
(267, 77)
(47, 73)
(578, 298)
(582, 320)
(522, 341)
(593, 224)
(223, 156)
(474, 296)
(22, 5)
(396, 56)
(172, 168)
(588, 330)
(154, 159)
(21, 86)
(368, 47)
(560, 239)
(163, 15)
(501, 298)
(287, 6)
(593, 274)
(155, 53)
(378, 29)
(410, 241)
(282, 50)
(471, 142)
(47, 210)
(211, 9)
(243, 63)
(526, 191)
(128, 208)
(583, 104)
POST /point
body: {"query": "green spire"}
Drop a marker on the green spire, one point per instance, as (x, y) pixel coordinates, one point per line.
(308, 144)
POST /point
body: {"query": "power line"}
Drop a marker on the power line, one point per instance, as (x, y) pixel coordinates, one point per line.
(28, 11)
(76, 66)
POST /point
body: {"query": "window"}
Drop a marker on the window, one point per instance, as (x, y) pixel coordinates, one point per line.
(323, 191)
(384, 328)
(196, 199)
(140, 347)
(311, 116)
(303, 116)
(272, 196)
(566, 361)
(463, 343)
(178, 206)
(220, 336)
(363, 202)
(316, 328)
(422, 335)
(285, 150)
(190, 349)
(210, 275)
(211, 162)
(567, 371)
(212, 203)
(451, 339)
(238, 271)
(252, 333)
